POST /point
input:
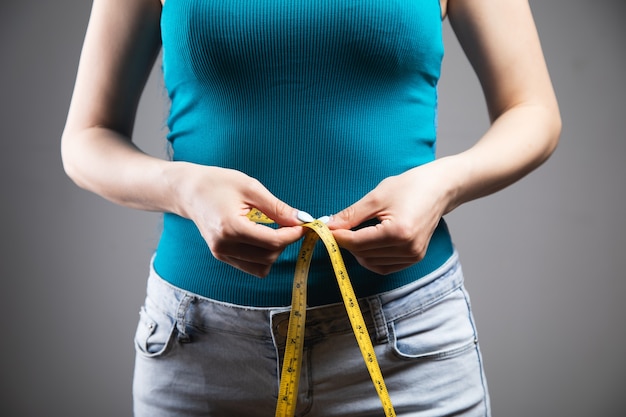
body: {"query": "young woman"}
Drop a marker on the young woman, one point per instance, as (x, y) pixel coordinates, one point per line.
(324, 106)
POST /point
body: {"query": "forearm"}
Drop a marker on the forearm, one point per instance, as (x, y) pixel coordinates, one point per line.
(216, 199)
(501, 42)
(107, 163)
(517, 142)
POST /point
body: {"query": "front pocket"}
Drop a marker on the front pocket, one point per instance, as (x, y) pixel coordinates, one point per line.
(154, 333)
(443, 330)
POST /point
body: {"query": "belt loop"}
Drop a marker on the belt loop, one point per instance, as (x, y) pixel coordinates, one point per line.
(380, 322)
(183, 337)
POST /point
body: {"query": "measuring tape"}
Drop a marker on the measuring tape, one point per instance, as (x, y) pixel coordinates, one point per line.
(292, 362)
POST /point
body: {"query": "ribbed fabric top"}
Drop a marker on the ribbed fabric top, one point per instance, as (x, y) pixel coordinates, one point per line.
(319, 100)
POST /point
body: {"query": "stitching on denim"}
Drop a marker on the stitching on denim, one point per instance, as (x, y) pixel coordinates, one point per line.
(380, 322)
(433, 296)
(181, 312)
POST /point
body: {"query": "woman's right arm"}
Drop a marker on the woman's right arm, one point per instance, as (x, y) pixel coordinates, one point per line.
(120, 47)
(119, 51)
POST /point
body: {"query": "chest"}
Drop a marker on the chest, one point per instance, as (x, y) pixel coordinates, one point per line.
(284, 35)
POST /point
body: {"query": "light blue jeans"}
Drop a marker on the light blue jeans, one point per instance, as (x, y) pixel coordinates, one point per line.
(200, 357)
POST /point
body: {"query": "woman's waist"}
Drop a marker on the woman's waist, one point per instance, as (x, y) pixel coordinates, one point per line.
(184, 259)
(204, 312)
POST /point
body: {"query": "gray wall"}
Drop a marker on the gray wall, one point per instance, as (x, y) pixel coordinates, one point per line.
(541, 258)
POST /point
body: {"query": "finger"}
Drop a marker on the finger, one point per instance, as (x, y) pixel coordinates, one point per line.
(274, 208)
(388, 261)
(262, 236)
(396, 252)
(259, 270)
(385, 269)
(240, 238)
(363, 210)
(254, 256)
(248, 253)
(368, 238)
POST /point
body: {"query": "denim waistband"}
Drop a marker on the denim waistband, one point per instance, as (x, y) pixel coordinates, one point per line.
(193, 311)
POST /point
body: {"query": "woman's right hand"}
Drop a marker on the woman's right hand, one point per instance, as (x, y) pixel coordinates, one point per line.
(122, 42)
(218, 200)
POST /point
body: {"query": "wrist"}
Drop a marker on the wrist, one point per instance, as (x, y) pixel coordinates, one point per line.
(177, 177)
(452, 173)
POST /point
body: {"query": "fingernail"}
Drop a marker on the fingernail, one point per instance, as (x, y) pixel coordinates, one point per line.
(305, 217)
(324, 219)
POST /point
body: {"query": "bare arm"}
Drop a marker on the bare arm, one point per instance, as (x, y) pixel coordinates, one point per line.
(501, 42)
(121, 44)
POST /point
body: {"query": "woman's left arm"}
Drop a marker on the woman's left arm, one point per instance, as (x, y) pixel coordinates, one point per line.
(501, 42)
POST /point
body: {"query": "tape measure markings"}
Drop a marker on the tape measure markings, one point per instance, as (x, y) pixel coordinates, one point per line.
(354, 314)
(290, 374)
(292, 362)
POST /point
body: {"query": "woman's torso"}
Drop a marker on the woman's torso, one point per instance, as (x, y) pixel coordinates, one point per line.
(319, 100)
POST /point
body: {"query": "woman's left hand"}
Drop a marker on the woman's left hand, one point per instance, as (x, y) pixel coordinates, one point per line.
(408, 207)
(501, 41)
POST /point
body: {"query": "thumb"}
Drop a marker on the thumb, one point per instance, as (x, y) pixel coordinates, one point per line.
(354, 215)
(279, 211)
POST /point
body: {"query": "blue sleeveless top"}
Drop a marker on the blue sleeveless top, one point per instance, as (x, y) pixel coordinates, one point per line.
(317, 99)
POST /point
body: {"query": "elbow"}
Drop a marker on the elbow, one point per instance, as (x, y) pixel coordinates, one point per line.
(545, 124)
(553, 128)
(66, 156)
(69, 159)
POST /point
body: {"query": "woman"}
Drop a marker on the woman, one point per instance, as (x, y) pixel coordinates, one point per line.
(321, 106)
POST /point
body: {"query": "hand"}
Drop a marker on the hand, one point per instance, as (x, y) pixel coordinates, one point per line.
(408, 207)
(218, 200)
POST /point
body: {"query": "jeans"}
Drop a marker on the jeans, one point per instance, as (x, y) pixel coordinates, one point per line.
(199, 357)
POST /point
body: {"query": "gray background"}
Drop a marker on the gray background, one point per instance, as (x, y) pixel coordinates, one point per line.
(543, 259)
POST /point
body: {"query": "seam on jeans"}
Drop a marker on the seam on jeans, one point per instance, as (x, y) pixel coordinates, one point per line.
(380, 322)
(437, 355)
(308, 401)
(181, 312)
(434, 299)
(479, 355)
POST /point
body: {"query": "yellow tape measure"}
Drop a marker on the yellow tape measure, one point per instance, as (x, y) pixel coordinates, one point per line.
(292, 362)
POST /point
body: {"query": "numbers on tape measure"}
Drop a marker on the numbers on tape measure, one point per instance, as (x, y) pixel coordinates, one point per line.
(292, 362)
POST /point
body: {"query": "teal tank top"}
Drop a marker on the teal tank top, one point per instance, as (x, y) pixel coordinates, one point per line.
(324, 95)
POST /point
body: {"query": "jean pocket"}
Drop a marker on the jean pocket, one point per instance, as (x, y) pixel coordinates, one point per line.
(154, 333)
(443, 330)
